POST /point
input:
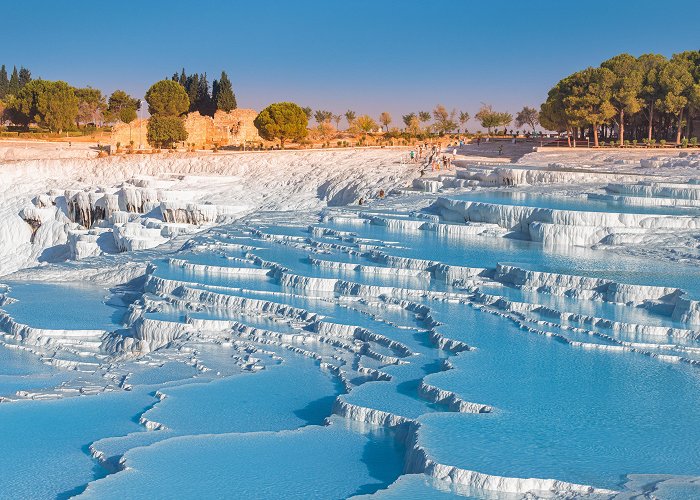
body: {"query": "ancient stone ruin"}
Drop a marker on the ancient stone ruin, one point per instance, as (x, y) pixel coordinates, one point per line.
(234, 128)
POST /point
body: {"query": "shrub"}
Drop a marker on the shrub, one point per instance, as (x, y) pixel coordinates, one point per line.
(662, 142)
(684, 142)
(693, 141)
(164, 130)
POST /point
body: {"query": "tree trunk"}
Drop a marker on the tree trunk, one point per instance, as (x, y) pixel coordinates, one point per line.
(575, 135)
(622, 128)
(595, 136)
(568, 137)
(282, 142)
(680, 126)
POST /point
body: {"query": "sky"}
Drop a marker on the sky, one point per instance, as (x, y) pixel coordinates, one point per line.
(366, 55)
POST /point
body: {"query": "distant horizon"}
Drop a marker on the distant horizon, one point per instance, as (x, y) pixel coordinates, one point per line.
(369, 57)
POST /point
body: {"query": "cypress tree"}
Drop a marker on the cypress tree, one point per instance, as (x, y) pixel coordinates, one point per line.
(25, 76)
(204, 103)
(183, 78)
(224, 97)
(13, 87)
(4, 82)
(192, 87)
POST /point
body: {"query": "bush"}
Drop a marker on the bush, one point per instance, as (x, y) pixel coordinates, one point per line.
(164, 130)
(662, 142)
(693, 141)
(684, 142)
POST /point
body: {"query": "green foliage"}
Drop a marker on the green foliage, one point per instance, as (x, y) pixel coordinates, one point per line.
(527, 116)
(365, 124)
(490, 119)
(13, 86)
(693, 141)
(49, 104)
(282, 120)
(223, 95)
(167, 98)
(164, 130)
(308, 112)
(649, 92)
(25, 76)
(350, 117)
(204, 102)
(385, 120)
(121, 106)
(4, 82)
(463, 117)
(424, 116)
(407, 119)
(91, 105)
(444, 121)
(323, 116)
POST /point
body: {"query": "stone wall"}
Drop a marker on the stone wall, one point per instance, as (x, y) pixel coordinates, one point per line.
(225, 129)
(124, 133)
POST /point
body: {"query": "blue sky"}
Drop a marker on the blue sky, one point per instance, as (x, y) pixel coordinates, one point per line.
(366, 55)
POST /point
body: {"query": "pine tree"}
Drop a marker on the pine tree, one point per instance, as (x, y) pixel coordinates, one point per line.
(4, 82)
(13, 87)
(224, 98)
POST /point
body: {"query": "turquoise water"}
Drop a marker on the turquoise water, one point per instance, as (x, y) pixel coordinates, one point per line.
(582, 203)
(263, 412)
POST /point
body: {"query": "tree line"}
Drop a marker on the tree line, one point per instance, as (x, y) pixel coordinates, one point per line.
(417, 123)
(58, 106)
(202, 100)
(646, 98)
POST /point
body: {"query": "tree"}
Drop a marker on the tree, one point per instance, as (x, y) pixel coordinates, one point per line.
(13, 87)
(424, 116)
(192, 88)
(365, 123)
(323, 116)
(4, 82)
(308, 112)
(444, 121)
(49, 104)
(223, 94)
(385, 119)
(407, 119)
(204, 103)
(589, 102)
(121, 106)
(527, 116)
(164, 130)
(490, 119)
(283, 121)
(91, 105)
(463, 118)
(167, 98)
(25, 76)
(350, 117)
(650, 92)
(413, 125)
(626, 88)
(336, 119)
(676, 85)
(553, 111)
